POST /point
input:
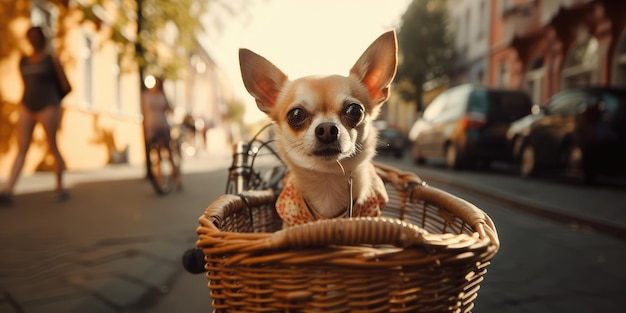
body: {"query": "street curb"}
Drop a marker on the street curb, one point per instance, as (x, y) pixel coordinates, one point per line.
(528, 207)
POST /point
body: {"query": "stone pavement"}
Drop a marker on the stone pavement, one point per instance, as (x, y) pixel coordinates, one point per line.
(115, 246)
(546, 201)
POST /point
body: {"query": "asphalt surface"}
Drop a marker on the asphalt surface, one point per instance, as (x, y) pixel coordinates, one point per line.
(116, 247)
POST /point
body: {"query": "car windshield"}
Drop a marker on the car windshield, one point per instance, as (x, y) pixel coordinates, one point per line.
(508, 106)
(390, 133)
(612, 100)
(478, 102)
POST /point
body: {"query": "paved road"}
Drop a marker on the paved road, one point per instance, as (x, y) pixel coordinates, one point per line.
(116, 246)
(563, 243)
(544, 266)
(549, 260)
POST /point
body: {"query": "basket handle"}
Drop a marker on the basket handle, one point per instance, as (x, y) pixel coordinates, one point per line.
(353, 231)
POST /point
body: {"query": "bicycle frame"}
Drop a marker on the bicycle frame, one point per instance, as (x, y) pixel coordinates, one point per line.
(163, 185)
(239, 172)
(242, 176)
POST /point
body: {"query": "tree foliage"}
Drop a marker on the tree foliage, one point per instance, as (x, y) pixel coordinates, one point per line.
(159, 20)
(236, 111)
(9, 10)
(425, 47)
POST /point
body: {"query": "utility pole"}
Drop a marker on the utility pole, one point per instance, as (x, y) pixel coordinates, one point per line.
(139, 55)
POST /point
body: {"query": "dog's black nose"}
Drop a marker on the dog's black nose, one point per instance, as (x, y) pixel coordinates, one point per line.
(327, 132)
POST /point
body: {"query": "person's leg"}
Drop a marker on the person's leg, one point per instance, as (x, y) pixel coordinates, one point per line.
(50, 118)
(166, 140)
(25, 124)
(157, 168)
(175, 169)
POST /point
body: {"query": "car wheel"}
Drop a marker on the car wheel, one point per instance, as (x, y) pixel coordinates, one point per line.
(516, 149)
(415, 153)
(452, 157)
(528, 166)
(575, 162)
(483, 164)
(589, 176)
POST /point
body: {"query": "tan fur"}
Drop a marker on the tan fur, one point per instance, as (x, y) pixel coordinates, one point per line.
(319, 178)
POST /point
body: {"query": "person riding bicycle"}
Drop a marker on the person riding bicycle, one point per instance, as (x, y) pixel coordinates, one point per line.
(156, 107)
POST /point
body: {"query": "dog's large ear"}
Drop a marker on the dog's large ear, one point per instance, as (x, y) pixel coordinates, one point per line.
(377, 66)
(262, 79)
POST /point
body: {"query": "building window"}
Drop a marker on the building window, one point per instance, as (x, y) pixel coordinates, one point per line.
(533, 80)
(619, 65)
(468, 24)
(117, 79)
(504, 7)
(483, 19)
(581, 65)
(503, 75)
(87, 60)
(44, 15)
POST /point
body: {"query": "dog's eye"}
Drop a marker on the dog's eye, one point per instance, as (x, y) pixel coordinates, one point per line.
(296, 117)
(354, 113)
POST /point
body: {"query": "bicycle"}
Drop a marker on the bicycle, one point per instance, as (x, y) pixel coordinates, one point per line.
(256, 166)
(188, 132)
(430, 247)
(164, 174)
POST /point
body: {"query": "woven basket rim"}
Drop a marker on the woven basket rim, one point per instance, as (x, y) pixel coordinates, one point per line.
(381, 264)
(483, 242)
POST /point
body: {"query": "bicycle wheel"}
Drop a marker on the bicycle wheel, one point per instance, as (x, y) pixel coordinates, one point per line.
(177, 159)
(161, 169)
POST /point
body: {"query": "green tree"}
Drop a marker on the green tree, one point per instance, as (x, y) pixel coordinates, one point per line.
(9, 10)
(236, 111)
(425, 46)
(165, 33)
(141, 28)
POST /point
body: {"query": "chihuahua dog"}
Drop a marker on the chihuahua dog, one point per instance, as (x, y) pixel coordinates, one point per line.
(325, 134)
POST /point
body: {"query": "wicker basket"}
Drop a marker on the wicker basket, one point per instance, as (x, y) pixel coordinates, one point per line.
(427, 254)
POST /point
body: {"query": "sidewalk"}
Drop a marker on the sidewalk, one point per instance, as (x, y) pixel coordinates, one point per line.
(115, 246)
(601, 208)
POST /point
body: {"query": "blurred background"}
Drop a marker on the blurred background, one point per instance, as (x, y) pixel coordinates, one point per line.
(486, 91)
(109, 47)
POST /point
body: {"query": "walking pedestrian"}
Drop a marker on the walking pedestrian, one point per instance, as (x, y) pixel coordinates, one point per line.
(156, 109)
(45, 85)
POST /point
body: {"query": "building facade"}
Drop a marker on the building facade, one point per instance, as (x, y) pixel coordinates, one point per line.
(540, 46)
(102, 121)
(544, 46)
(469, 23)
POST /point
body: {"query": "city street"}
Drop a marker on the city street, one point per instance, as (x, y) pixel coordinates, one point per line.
(89, 85)
(116, 246)
(547, 262)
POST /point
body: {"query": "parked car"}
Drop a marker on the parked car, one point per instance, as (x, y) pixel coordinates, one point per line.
(579, 129)
(468, 124)
(391, 140)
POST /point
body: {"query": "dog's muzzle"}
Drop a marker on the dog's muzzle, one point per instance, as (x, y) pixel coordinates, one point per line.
(327, 133)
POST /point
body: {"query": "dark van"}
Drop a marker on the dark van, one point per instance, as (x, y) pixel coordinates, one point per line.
(467, 124)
